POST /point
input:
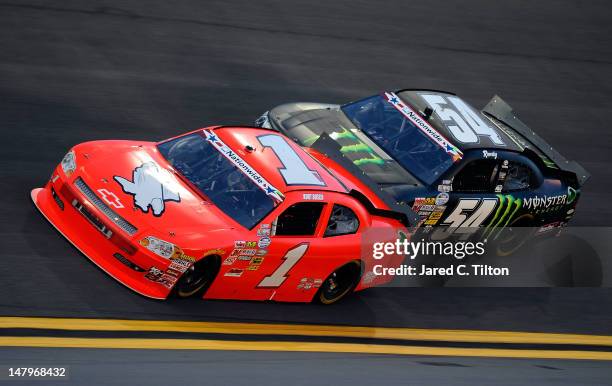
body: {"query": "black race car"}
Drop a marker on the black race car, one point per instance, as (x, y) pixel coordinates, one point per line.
(455, 167)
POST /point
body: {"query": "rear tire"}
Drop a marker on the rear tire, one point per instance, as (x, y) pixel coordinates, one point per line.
(196, 280)
(513, 237)
(340, 283)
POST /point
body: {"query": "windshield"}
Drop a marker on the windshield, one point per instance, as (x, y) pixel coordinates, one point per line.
(399, 137)
(218, 178)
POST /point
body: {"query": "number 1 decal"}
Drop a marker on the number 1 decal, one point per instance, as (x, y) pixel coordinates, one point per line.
(280, 274)
(294, 170)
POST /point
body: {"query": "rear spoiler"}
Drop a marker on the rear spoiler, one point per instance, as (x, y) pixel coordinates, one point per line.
(330, 148)
(502, 111)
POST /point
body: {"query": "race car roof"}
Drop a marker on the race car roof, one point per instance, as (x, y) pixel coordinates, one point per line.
(280, 161)
(457, 121)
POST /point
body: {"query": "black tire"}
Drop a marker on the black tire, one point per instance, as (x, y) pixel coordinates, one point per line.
(514, 236)
(196, 280)
(340, 283)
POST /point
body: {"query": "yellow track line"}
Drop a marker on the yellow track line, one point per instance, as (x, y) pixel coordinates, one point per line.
(303, 330)
(349, 348)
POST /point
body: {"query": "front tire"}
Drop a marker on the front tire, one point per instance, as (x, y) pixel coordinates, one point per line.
(196, 280)
(340, 283)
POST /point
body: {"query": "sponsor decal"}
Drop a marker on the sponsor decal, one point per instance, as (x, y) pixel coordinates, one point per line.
(251, 244)
(312, 196)
(173, 272)
(167, 280)
(507, 207)
(549, 227)
(545, 202)
(255, 263)
(234, 272)
(263, 232)
(257, 260)
(151, 186)
(244, 167)
(434, 217)
(307, 283)
(185, 257)
(239, 252)
(261, 252)
(239, 244)
(424, 126)
(248, 252)
(442, 198)
(153, 274)
(264, 242)
(353, 148)
(420, 201)
(424, 206)
(427, 208)
(444, 188)
(179, 265)
(571, 195)
(229, 260)
(110, 198)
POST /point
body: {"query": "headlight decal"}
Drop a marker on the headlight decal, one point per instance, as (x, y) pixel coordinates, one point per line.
(69, 163)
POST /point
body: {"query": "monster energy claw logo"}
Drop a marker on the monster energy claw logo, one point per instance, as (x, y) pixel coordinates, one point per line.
(507, 208)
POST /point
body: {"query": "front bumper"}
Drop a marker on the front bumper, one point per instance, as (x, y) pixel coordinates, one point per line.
(81, 223)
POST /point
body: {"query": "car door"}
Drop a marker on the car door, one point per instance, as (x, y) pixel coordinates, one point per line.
(471, 198)
(291, 235)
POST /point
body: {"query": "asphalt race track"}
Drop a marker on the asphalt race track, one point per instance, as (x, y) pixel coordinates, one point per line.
(75, 71)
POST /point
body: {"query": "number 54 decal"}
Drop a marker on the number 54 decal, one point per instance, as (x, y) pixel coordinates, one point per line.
(467, 217)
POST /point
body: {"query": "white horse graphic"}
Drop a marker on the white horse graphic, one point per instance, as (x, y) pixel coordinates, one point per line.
(151, 186)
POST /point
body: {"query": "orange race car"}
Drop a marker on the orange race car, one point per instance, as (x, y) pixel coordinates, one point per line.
(220, 213)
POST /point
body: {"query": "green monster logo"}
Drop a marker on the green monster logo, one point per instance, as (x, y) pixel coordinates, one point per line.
(571, 195)
(354, 146)
(507, 208)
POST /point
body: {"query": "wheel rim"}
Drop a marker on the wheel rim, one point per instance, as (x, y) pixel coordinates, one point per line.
(339, 283)
(197, 277)
(513, 237)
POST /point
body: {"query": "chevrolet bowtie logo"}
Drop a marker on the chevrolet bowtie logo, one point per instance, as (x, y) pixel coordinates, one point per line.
(110, 198)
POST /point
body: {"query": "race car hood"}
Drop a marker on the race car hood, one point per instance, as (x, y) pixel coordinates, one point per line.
(137, 183)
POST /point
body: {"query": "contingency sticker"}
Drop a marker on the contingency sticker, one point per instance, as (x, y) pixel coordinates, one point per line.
(244, 167)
